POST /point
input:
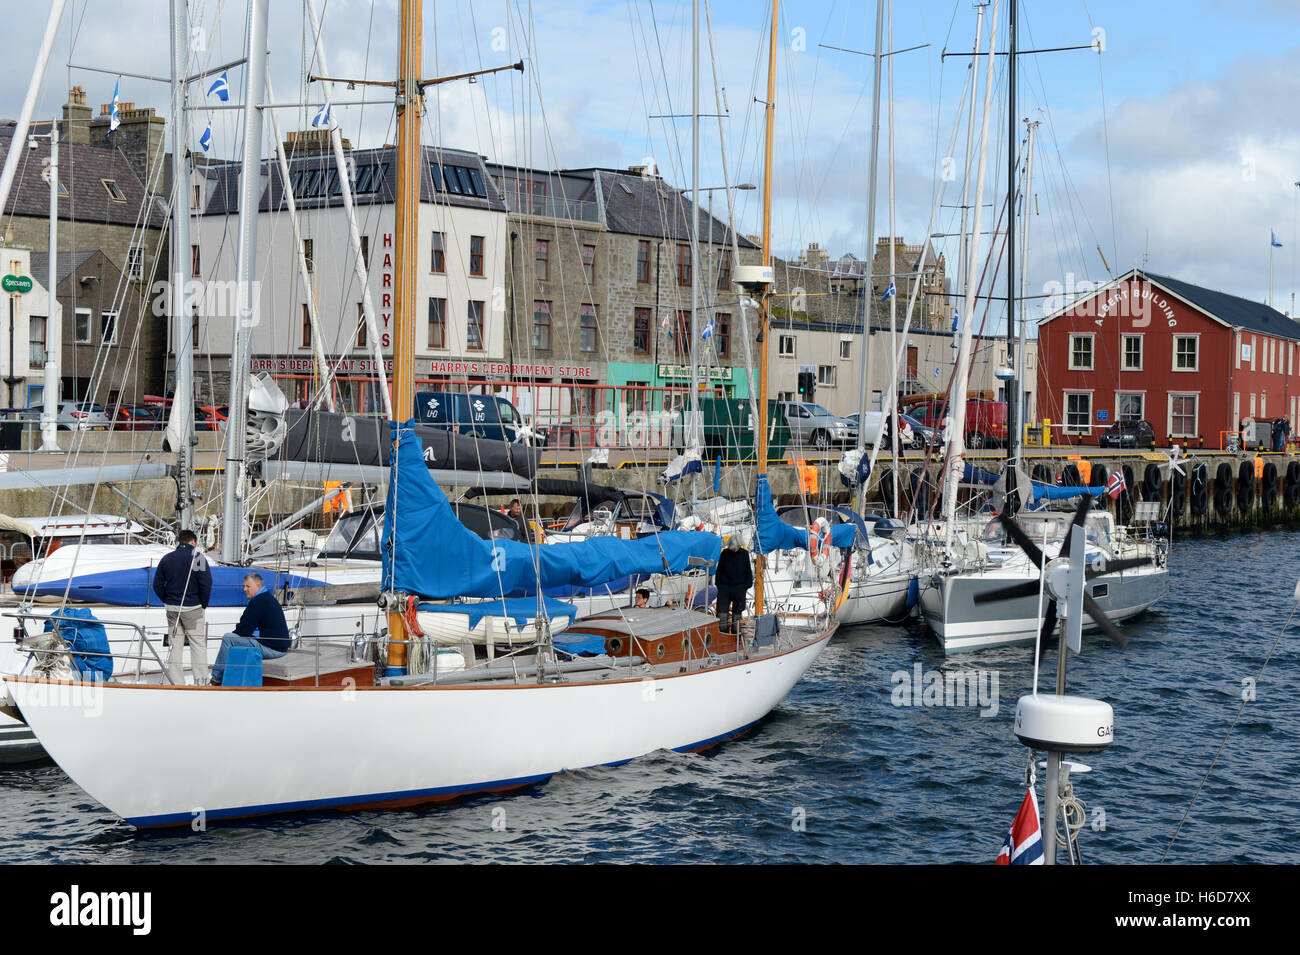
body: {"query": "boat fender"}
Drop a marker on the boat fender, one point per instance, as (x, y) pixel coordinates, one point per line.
(913, 592)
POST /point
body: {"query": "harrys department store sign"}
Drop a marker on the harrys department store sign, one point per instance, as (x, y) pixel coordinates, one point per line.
(366, 366)
(16, 283)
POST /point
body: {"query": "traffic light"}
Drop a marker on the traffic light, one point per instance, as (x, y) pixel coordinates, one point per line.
(807, 385)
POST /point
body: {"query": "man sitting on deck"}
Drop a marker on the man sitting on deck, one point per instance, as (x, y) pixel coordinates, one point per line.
(262, 626)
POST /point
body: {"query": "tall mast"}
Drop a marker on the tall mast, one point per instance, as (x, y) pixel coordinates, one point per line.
(962, 277)
(181, 424)
(1019, 418)
(765, 306)
(250, 199)
(695, 237)
(53, 323)
(1013, 385)
(410, 108)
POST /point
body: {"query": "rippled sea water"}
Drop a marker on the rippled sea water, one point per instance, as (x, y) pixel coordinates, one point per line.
(840, 774)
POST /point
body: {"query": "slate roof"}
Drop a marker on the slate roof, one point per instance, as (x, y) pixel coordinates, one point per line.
(81, 167)
(223, 197)
(646, 205)
(68, 263)
(1232, 309)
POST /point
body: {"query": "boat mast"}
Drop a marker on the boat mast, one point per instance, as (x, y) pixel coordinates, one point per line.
(410, 108)
(181, 424)
(1024, 273)
(246, 303)
(957, 397)
(765, 306)
(1013, 385)
(53, 323)
(695, 241)
(869, 266)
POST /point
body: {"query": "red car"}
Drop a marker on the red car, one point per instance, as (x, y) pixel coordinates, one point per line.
(986, 420)
(211, 417)
(136, 418)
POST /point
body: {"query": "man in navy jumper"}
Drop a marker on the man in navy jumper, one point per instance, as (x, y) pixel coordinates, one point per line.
(263, 617)
(183, 582)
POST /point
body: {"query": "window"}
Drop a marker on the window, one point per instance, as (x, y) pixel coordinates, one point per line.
(438, 262)
(542, 325)
(682, 335)
(36, 341)
(683, 265)
(1185, 353)
(195, 203)
(588, 328)
(370, 178)
(846, 348)
(437, 323)
(476, 255)
(641, 331)
(1132, 353)
(724, 270)
(1129, 407)
(108, 327)
(365, 251)
(1078, 411)
(306, 327)
(543, 257)
(458, 180)
(114, 191)
(308, 247)
(135, 263)
(589, 264)
(785, 346)
(361, 325)
(643, 262)
(1081, 353)
(195, 266)
(1182, 416)
(474, 326)
(826, 375)
(722, 333)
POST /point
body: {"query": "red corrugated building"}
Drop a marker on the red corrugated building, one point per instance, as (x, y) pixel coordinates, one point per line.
(1191, 361)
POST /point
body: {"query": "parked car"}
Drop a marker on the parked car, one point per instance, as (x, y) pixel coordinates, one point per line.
(211, 417)
(136, 418)
(870, 428)
(479, 416)
(986, 420)
(813, 426)
(82, 416)
(923, 436)
(1128, 434)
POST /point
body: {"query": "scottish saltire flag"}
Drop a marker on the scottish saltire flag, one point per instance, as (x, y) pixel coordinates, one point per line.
(220, 86)
(206, 139)
(1115, 486)
(322, 118)
(954, 321)
(1024, 843)
(1273, 239)
(888, 292)
(708, 330)
(114, 120)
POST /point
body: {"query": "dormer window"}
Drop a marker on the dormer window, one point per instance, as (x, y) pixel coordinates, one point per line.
(114, 190)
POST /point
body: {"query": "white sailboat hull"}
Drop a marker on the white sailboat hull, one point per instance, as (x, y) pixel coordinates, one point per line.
(160, 756)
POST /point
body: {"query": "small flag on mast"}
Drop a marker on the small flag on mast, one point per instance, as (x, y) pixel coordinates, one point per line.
(665, 324)
(708, 330)
(114, 120)
(1024, 843)
(220, 86)
(206, 139)
(322, 118)
(889, 291)
(1273, 239)
(1115, 486)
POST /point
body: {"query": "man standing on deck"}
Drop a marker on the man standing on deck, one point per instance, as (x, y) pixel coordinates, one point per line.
(183, 582)
(734, 578)
(262, 627)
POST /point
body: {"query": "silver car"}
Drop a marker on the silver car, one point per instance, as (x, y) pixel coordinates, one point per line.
(813, 426)
(82, 416)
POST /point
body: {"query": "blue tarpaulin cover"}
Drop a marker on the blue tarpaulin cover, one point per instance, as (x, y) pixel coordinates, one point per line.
(1050, 492)
(579, 644)
(427, 551)
(519, 609)
(84, 634)
(776, 534)
(972, 475)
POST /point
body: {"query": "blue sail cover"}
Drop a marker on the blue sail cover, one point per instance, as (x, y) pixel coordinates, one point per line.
(973, 475)
(520, 609)
(1050, 492)
(775, 534)
(427, 551)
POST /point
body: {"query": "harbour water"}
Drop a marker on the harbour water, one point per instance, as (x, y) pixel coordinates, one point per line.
(840, 773)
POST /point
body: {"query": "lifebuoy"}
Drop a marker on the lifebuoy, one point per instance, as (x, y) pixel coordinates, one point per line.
(819, 538)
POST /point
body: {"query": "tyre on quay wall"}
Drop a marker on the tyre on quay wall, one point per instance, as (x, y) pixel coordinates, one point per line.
(1246, 486)
(1200, 495)
(1268, 490)
(1178, 493)
(1151, 481)
(1223, 488)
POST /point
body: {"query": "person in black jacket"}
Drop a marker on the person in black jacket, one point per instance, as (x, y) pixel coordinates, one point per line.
(734, 578)
(183, 582)
(261, 626)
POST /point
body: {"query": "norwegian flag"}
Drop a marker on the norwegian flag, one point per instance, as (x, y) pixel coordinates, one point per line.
(1115, 486)
(1024, 843)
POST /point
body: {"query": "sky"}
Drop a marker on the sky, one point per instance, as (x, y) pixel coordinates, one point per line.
(1177, 145)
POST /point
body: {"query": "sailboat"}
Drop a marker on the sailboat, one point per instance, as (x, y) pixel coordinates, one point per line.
(661, 679)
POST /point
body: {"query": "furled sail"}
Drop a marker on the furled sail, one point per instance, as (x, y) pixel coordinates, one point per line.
(427, 551)
(776, 534)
